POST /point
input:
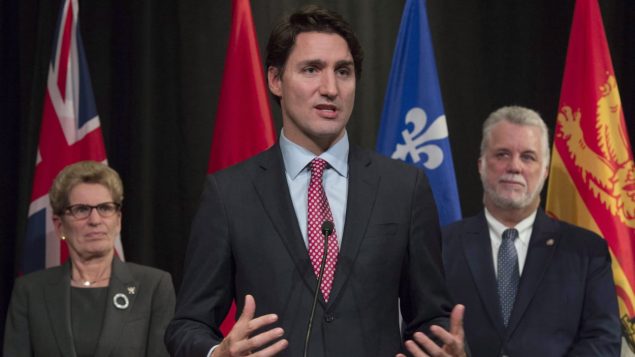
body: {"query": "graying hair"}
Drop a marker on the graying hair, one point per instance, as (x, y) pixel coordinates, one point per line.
(520, 116)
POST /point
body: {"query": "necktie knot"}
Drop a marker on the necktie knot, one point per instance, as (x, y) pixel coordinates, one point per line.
(317, 167)
(511, 234)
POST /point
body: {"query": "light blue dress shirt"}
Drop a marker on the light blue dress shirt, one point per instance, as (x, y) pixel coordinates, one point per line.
(335, 180)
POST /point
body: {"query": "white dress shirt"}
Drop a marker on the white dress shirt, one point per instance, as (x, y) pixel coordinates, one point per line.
(524, 228)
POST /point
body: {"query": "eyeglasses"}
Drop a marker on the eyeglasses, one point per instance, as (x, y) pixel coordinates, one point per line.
(82, 211)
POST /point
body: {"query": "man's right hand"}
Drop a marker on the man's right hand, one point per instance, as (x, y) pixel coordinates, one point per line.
(240, 342)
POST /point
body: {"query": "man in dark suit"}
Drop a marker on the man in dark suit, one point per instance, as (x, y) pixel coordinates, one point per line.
(257, 238)
(531, 285)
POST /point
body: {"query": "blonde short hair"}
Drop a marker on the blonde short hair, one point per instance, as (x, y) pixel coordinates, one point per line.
(83, 172)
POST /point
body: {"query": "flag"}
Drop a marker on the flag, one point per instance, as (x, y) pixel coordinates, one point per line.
(70, 132)
(592, 175)
(413, 125)
(243, 126)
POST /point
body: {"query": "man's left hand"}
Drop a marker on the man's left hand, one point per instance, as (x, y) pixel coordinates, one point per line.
(453, 341)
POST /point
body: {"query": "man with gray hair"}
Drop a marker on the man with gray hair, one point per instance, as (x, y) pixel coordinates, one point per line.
(531, 285)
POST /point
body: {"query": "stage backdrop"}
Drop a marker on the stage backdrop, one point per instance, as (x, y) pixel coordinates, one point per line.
(157, 65)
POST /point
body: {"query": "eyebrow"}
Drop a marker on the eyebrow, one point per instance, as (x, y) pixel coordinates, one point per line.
(321, 63)
(506, 150)
(344, 63)
(312, 62)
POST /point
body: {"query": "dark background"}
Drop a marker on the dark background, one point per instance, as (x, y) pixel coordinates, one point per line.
(156, 68)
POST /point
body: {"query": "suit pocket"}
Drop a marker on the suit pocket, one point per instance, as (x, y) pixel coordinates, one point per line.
(382, 230)
(382, 245)
(380, 257)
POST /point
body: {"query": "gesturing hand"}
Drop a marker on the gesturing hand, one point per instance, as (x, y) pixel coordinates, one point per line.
(240, 342)
(453, 341)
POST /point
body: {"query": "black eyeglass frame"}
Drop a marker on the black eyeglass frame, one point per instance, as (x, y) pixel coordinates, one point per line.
(72, 210)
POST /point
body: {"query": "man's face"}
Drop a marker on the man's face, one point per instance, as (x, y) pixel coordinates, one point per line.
(317, 90)
(512, 168)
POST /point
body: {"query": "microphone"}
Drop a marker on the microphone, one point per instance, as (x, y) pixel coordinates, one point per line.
(327, 230)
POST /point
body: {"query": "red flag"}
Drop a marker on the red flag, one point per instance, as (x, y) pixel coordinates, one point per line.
(592, 176)
(243, 125)
(70, 132)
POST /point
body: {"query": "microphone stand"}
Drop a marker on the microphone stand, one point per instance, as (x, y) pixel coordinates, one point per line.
(327, 229)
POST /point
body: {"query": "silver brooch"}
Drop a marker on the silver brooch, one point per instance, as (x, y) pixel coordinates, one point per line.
(121, 301)
(131, 290)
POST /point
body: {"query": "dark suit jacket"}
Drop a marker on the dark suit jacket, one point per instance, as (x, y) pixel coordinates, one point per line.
(39, 321)
(566, 302)
(246, 240)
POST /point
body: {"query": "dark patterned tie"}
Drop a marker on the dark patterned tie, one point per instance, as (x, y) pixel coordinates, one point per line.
(318, 212)
(508, 273)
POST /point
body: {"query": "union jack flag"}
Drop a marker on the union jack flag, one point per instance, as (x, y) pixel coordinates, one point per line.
(70, 132)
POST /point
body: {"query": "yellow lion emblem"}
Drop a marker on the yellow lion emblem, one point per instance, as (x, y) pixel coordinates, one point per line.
(610, 174)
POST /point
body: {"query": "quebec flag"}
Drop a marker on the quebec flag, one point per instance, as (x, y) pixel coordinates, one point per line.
(413, 126)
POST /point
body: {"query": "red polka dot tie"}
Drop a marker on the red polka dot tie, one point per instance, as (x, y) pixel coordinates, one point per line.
(318, 212)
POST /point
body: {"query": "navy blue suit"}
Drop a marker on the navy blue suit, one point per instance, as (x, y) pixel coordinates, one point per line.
(246, 240)
(566, 302)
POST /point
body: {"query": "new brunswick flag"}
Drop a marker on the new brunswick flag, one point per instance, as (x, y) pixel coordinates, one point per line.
(592, 177)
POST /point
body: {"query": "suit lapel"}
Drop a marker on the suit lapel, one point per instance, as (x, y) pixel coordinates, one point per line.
(271, 185)
(121, 282)
(58, 304)
(362, 187)
(477, 248)
(542, 245)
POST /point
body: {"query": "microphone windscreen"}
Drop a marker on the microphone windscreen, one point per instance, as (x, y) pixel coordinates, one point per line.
(327, 228)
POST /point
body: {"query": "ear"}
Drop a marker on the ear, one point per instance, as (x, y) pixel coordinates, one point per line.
(274, 79)
(118, 224)
(479, 164)
(57, 224)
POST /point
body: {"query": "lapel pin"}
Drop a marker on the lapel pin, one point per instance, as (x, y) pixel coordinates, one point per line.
(121, 301)
(131, 290)
(550, 242)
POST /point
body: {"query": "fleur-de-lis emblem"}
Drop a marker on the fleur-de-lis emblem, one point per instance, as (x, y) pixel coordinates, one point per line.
(415, 140)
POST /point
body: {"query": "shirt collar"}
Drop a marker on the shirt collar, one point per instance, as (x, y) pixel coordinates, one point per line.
(522, 227)
(296, 158)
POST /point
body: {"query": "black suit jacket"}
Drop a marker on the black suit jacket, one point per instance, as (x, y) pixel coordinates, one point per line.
(566, 302)
(246, 240)
(39, 321)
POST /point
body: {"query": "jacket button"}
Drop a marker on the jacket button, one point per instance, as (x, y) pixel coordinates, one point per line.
(329, 318)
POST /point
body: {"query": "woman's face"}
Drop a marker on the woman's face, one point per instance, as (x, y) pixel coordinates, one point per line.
(94, 235)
